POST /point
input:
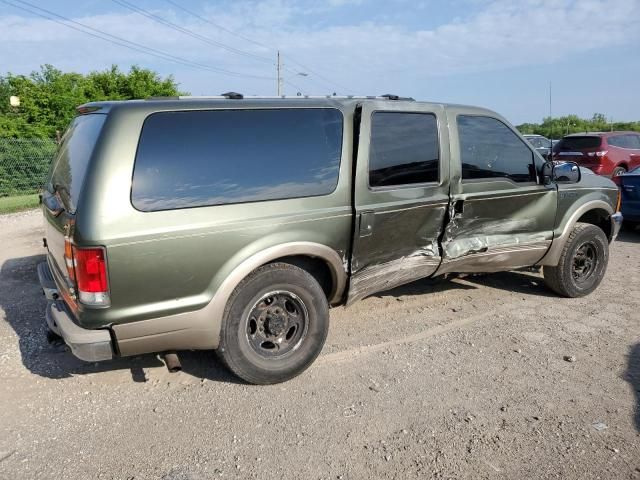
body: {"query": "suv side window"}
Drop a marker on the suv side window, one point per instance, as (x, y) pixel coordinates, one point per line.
(404, 149)
(489, 149)
(617, 141)
(632, 141)
(214, 157)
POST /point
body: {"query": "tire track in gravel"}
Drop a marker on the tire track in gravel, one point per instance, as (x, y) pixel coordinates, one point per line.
(353, 353)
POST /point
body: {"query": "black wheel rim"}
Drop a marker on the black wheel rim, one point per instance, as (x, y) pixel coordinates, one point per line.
(277, 323)
(585, 261)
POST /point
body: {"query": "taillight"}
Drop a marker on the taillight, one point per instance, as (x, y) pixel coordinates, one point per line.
(599, 154)
(68, 258)
(619, 202)
(91, 276)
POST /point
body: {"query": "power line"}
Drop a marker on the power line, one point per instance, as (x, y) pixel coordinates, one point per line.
(342, 87)
(122, 41)
(188, 32)
(284, 66)
(206, 20)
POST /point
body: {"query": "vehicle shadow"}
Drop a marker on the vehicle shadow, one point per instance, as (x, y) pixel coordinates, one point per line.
(632, 375)
(514, 281)
(629, 236)
(24, 305)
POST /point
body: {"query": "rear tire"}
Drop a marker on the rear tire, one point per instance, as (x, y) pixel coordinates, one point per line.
(618, 171)
(275, 324)
(582, 264)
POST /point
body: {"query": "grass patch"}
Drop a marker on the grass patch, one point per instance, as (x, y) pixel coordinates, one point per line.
(18, 203)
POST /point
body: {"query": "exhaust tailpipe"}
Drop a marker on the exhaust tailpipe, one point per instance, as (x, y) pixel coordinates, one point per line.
(172, 362)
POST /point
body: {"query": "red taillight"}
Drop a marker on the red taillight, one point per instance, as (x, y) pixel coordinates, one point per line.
(91, 276)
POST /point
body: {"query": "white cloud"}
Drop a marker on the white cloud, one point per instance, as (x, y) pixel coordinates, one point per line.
(367, 56)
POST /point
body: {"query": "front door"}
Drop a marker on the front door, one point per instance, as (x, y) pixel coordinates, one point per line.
(401, 195)
(501, 215)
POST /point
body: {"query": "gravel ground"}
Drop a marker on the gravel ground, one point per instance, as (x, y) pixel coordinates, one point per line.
(482, 377)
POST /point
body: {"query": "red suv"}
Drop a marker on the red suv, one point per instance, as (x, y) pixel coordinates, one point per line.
(607, 153)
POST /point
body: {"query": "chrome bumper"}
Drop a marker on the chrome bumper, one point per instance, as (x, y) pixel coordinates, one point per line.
(616, 223)
(88, 345)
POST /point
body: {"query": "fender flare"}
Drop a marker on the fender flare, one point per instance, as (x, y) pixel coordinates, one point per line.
(552, 256)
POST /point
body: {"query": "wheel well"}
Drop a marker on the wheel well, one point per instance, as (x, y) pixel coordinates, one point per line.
(317, 267)
(599, 218)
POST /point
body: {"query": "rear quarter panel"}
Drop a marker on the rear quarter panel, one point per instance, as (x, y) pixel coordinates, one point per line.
(169, 262)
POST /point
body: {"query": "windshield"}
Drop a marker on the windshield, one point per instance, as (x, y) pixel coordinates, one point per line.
(72, 158)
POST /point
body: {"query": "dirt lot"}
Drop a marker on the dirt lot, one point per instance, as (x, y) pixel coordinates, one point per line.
(463, 378)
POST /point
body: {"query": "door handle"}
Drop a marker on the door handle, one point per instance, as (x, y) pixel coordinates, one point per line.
(458, 207)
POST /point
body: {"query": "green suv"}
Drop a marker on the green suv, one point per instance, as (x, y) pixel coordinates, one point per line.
(235, 223)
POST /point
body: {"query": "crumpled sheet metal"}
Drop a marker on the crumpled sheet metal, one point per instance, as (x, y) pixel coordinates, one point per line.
(465, 237)
(384, 276)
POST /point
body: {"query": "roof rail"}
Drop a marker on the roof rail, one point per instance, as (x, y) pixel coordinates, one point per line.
(163, 97)
(238, 96)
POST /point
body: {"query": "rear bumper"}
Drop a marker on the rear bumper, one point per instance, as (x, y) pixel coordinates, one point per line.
(88, 345)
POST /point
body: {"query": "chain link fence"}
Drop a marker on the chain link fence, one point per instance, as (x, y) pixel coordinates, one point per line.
(24, 164)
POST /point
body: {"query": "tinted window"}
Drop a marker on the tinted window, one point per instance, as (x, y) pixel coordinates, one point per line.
(538, 142)
(404, 149)
(198, 158)
(488, 148)
(571, 144)
(72, 159)
(618, 141)
(624, 141)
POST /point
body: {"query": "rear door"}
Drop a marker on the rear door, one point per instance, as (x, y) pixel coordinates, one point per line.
(62, 191)
(501, 217)
(401, 195)
(630, 190)
(634, 151)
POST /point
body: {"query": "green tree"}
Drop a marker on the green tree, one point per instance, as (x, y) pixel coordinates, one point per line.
(49, 97)
(558, 127)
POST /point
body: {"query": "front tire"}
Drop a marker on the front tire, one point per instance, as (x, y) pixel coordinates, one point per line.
(582, 264)
(275, 324)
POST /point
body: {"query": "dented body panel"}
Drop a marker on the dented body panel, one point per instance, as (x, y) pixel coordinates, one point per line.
(396, 239)
(172, 272)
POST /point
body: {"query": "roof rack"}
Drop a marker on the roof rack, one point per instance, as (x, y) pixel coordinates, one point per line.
(239, 96)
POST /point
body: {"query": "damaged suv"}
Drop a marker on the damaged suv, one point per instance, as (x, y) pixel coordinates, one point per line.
(235, 223)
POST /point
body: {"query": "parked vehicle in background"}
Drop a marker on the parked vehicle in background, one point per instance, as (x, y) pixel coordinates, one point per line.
(234, 224)
(540, 143)
(630, 191)
(606, 153)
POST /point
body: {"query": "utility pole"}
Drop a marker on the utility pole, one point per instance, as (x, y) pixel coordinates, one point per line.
(550, 114)
(279, 76)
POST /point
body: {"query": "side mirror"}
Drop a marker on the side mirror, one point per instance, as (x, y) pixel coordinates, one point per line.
(565, 172)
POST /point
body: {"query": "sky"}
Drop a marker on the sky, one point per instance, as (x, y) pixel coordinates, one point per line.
(500, 54)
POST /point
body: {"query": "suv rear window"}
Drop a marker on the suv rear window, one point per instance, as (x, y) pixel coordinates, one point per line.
(214, 157)
(577, 143)
(71, 161)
